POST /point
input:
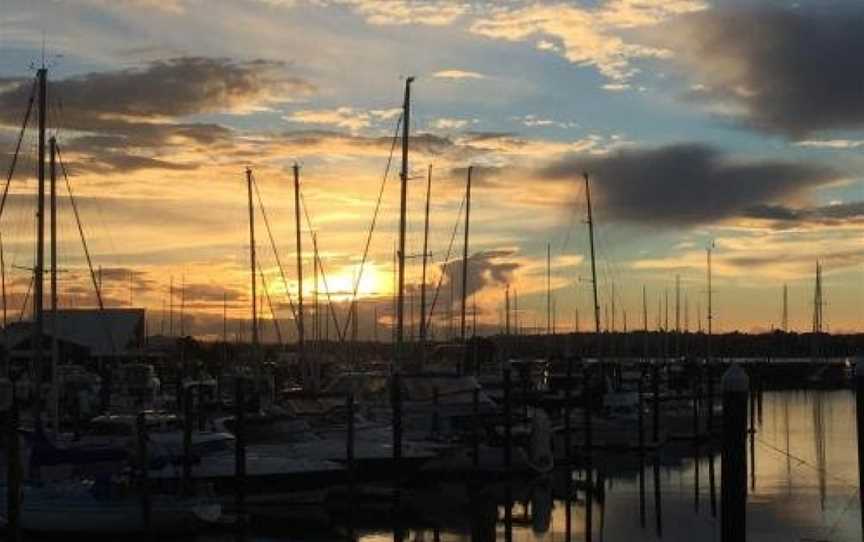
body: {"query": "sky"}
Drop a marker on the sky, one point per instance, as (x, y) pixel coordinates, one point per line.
(737, 125)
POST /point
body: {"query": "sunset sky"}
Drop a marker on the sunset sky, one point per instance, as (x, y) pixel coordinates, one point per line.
(740, 123)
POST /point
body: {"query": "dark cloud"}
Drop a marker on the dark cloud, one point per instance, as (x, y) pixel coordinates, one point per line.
(685, 184)
(121, 119)
(825, 214)
(486, 268)
(789, 70)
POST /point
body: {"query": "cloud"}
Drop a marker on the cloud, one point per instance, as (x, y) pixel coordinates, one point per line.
(835, 214)
(587, 36)
(394, 12)
(687, 184)
(487, 268)
(458, 74)
(792, 71)
(832, 143)
(445, 123)
(123, 120)
(343, 117)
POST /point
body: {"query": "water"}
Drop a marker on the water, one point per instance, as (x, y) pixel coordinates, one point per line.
(804, 489)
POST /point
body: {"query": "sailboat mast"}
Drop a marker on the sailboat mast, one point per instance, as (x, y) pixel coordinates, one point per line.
(593, 263)
(423, 272)
(465, 250)
(55, 401)
(3, 281)
(403, 199)
(301, 328)
(252, 264)
(39, 278)
(710, 314)
(548, 288)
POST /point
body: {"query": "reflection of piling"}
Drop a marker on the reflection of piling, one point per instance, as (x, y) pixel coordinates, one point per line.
(859, 402)
(13, 474)
(752, 430)
(733, 486)
(641, 417)
(143, 465)
(658, 499)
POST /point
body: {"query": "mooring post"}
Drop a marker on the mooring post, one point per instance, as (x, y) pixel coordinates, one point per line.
(859, 402)
(475, 427)
(240, 449)
(396, 404)
(641, 418)
(655, 384)
(13, 473)
(733, 484)
(349, 461)
(587, 399)
(658, 497)
(508, 418)
(640, 415)
(144, 466)
(187, 440)
(568, 394)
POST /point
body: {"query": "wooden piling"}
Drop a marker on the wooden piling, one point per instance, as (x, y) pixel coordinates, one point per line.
(143, 466)
(733, 486)
(13, 474)
(859, 410)
(658, 498)
(187, 439)
(655, 384)
(240, 449)
(396, 405)
(349, 461)
(475, 427)
(436, 414)
(568, 399)
(508, 418)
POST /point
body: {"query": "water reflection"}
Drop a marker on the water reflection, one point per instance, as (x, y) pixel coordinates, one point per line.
(803, 488)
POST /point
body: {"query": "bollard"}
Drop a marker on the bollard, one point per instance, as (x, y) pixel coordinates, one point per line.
(733, 484)
(508, 422)
(240, 449)
(475, 427)
(144, 466)
(187, 441)
(859, 403)
(13, 474)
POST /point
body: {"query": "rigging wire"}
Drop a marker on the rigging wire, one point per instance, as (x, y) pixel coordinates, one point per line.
(275, 250)
(17, 148)
(374, 220)
(445, 261)
(272, 310)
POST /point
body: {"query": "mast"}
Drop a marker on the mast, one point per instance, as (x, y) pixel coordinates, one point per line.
(644, 322)
(301, 328)
(55, 400)
(465, 250)
(252, 265)
(507, 309)
(171, 306)
(3, 281)
(39, 277)
(423, 273)
(710, 313)
(785, 317)
(593, 263)
(403, 198)
(548, 288)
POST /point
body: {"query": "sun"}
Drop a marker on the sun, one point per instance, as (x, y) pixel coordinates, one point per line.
(341, 285)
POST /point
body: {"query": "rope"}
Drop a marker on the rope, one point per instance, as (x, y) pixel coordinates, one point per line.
(272, 310)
